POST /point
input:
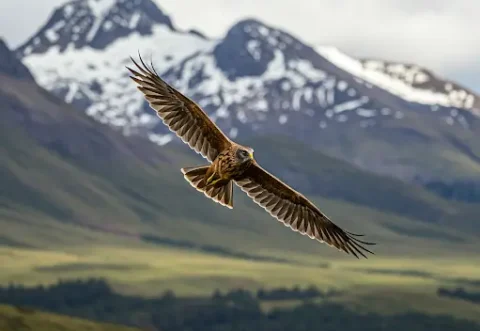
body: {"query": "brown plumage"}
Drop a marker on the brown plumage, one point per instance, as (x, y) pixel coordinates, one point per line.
(234, 163)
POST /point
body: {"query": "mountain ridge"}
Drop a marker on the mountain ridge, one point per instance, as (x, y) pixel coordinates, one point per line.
(95, 23)
(261, 79)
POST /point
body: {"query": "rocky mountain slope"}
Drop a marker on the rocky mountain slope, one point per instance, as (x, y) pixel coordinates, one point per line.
(393, 119)
(63, 172)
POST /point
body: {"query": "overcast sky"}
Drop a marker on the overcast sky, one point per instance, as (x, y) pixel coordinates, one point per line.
(442, 35)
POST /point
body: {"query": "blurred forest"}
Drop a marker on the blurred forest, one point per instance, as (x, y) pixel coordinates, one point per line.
(234, 310)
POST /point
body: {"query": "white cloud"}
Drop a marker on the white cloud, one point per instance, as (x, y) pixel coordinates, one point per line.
(439, 34)
(21, 18)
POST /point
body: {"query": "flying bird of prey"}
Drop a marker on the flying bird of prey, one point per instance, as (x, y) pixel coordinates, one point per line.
(233, 163)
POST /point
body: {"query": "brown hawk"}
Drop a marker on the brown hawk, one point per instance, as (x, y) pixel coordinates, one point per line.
(234, 163)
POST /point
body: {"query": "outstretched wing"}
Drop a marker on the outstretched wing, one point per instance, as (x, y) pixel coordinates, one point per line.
(182, 115)
(296, 211)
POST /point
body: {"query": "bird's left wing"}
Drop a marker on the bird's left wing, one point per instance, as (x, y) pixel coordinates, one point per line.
(182, 115)
(296, 211)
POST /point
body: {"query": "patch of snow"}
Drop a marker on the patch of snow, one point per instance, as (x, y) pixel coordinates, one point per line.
(57, 26)
(286, 85)
(160, 139)
(99, 9)
(394, 85)
(263, 30)
(260, 105)
(449, 120)
(119, 98)
(296, 100)
(321, 96)
(68, 10)
(242, 117)
(421, 78)
(306, 68)
(107, 25)
(366, 112)
(342, 85)
(134, 20)
(253, 47)
(349, 105)
(51, 35)
(469, 101)
(398, 114)
(222, 112)
(72, 91)
(385, 111)
(233, 133)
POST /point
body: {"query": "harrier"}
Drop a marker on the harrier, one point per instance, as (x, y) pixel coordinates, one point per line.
(233, 163)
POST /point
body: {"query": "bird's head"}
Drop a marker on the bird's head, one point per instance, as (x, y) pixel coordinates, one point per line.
(244, 154)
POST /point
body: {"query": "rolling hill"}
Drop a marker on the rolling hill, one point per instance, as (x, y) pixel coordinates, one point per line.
(65, 171)
(25, 319)
(80, 199)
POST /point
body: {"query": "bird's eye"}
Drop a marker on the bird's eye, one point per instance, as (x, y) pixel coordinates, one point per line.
(243, 154)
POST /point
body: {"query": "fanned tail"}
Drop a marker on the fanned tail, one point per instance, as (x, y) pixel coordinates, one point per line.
(221, 194)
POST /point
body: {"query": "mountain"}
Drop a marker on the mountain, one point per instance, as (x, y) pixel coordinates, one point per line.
(10, 65)
(409, 81)
(95, 24)
(388, 118)
(67, 173)
(87, 68)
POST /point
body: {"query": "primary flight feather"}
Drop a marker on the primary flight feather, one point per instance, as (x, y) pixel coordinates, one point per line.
(234, 163)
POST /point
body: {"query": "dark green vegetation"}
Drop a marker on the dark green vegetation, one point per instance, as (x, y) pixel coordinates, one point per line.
(464, 190)
(234, 310)
(460, 293)
(27, 319)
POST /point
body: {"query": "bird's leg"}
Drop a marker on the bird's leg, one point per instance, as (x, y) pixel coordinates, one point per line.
(212, 177)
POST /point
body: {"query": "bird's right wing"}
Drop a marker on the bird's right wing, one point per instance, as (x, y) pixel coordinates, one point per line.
(182, 115)
(297, 212)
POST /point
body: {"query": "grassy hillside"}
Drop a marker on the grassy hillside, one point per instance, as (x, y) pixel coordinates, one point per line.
(383, 285)
(55, 197)
(66, 174)
(20, 319)
(78, 199)
(410, 146)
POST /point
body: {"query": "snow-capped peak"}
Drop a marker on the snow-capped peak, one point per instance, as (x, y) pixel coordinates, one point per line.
(249, 46)
(408, 81)
(95, 23)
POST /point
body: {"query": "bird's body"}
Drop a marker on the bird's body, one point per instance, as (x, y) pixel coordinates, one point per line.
(233, 163)
(216, 180)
